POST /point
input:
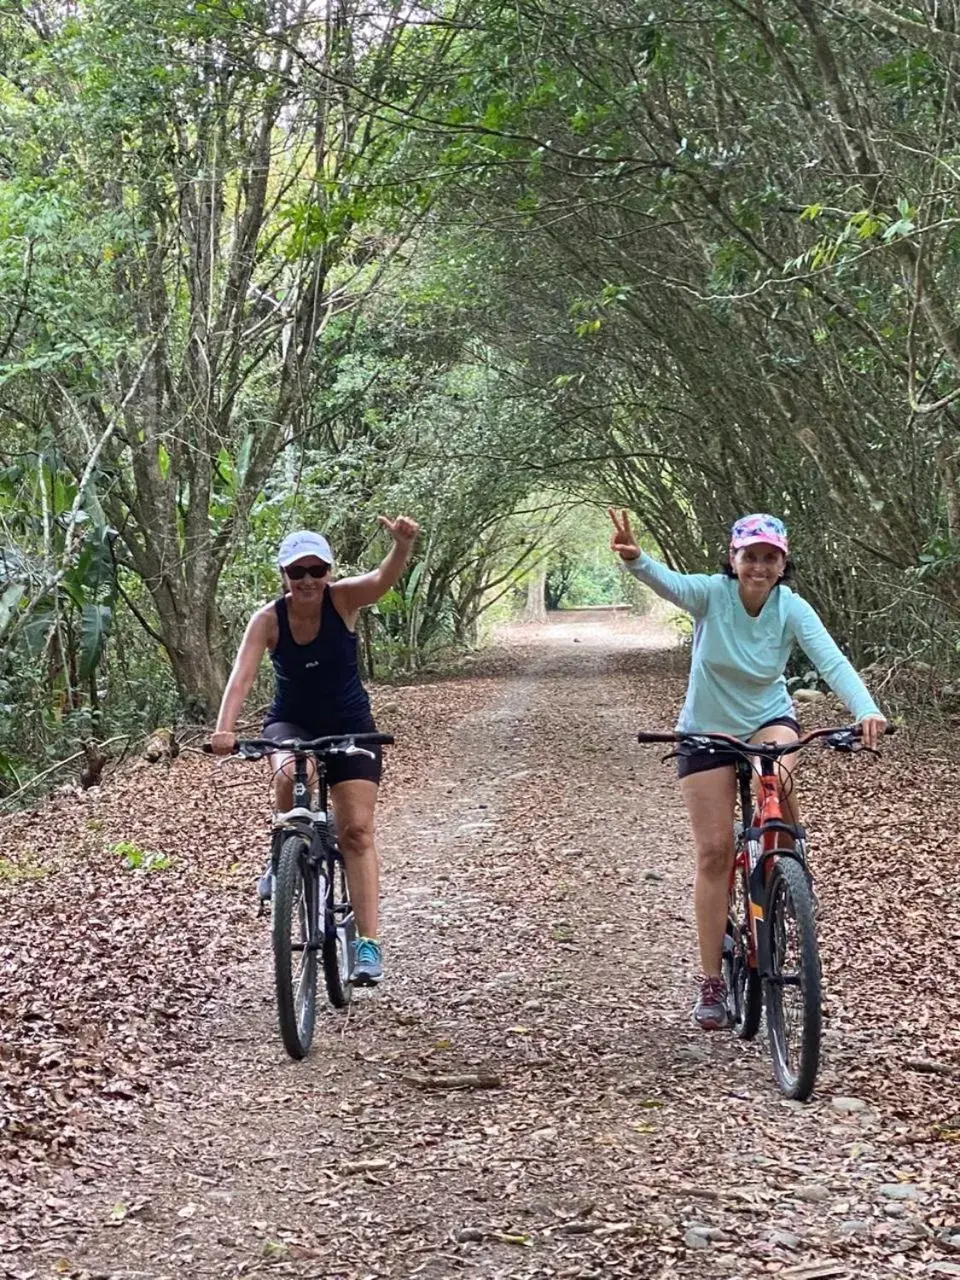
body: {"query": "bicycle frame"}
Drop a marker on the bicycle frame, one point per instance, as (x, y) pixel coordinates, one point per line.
(769, 881)
(312, 825)
(306, 918)
(303, 819)
(763, 827)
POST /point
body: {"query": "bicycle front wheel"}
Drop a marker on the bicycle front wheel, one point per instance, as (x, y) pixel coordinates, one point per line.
(340, 935)
(295, 930)
(792, 985)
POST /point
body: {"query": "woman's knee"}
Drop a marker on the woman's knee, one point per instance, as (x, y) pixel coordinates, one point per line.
(283, 788)
(714, 855)
(355, 836)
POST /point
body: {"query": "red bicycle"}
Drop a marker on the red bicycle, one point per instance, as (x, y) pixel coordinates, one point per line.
(771, 956)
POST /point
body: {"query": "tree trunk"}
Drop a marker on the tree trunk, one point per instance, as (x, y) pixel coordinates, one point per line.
(193, 638)
(536, 607)
(221, 321)
(201, 674)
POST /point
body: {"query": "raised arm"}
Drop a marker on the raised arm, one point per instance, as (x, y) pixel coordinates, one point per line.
(822, 650)
(245, 666)
(690, 591)
(354, 593)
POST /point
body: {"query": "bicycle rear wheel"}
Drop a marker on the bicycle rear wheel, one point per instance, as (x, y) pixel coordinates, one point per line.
(792, 987)
(339, 935)
(295, 915)
(744, 990)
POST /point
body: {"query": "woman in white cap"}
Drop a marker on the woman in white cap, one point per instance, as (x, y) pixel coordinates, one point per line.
(746, 621)
(310, 634)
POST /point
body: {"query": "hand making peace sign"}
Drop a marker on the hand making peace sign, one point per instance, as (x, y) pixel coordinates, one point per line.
(622, 540)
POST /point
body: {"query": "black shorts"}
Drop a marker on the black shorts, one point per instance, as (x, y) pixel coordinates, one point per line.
(701, 761)
(339, 768)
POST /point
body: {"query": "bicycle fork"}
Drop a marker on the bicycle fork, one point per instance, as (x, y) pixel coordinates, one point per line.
(760, 843)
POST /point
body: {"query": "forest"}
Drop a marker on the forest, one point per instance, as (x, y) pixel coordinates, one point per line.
(282, 264)
(500, 267)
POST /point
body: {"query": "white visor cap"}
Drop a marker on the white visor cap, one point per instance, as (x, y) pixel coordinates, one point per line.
(303, 543)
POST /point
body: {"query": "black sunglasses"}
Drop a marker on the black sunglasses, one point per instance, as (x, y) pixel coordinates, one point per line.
(298, 571)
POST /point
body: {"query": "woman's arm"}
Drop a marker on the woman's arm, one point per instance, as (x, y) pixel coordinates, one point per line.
(245, 667)
(354, 593)
(690, 591)
(822, 650)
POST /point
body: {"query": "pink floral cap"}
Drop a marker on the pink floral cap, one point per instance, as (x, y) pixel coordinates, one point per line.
(759, 528)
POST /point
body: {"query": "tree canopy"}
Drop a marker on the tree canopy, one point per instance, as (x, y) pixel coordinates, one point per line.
(272, 264)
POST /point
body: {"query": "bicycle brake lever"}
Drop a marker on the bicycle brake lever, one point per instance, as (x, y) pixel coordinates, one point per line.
(354, 750)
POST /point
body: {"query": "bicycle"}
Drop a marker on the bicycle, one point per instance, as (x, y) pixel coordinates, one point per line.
(308, 869)
(770, 886)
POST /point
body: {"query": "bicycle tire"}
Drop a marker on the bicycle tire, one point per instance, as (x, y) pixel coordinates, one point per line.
(744, 988)
(338, 938)
(788, 884)
(294, 902)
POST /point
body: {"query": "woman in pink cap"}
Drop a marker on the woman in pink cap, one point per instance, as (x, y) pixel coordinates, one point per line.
(746, 622)
(310, 634)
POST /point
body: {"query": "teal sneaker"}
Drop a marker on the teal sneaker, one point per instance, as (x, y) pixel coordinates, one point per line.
(367, 963)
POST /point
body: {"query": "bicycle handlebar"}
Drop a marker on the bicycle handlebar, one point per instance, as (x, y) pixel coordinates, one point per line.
(331, 744)
(840, 738)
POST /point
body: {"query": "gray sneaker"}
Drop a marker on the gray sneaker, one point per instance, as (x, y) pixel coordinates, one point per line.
(265, 883)
(710, 1012)
(367, 963)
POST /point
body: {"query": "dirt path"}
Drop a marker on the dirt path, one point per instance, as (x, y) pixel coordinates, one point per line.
(538, 926)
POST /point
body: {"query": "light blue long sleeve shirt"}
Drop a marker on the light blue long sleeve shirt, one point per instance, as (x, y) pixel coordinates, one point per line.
(737, 680)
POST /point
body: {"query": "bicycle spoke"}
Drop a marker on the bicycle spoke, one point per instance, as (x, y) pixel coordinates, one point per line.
(312, 922)
(786, 945)
(743, 981)
(299, 924)
(295, 955)
(793, 1004)
(338, 945)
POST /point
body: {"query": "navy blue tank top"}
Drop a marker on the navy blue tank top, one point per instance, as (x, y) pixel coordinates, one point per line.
(318, 684)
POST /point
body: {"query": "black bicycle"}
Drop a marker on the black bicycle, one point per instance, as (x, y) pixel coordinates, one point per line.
(771, 955)
(311, 902)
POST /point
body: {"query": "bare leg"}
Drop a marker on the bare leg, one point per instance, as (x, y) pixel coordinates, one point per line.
(283, 772)
(353, 805)
(789, 801)
(710, 797)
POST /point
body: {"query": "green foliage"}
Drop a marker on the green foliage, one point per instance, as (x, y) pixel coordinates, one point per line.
(136, 859)
(95, 626)
(56, 607)
(771, 323)
(581, 570)
(27, 867)
(509, 270)
(941, 555)
(594, 581)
